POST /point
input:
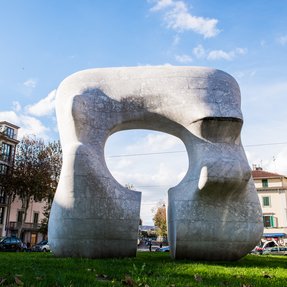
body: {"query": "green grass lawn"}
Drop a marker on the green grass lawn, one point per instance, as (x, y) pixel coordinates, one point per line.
(147, 269)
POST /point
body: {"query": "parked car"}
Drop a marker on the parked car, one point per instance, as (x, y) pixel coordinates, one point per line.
(42, 246)
(11, 243)
(267, 244)
(163, 249)
(46, 248)
(277, 250)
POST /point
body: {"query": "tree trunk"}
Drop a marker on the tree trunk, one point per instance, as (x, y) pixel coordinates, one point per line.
(25, 206)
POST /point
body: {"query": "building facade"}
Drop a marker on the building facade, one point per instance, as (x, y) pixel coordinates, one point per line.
(31, 227)
(12, 212)
(272, 192)
(8, 143)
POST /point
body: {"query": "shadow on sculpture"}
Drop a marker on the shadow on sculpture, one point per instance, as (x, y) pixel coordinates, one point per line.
(213, 213)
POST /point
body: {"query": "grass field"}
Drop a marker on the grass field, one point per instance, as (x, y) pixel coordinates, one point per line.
(147, 269)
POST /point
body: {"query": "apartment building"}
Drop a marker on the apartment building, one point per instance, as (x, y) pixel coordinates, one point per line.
(272, 192)
(30, 228)
(11, 213)
(8, 143)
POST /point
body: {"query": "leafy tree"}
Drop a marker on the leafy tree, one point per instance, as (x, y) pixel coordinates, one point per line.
(159, 219)
(55, 158)
(44, 222)
(29, 177)
(33, 175)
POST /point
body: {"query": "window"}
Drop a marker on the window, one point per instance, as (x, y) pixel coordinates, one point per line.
(6, 152)
(266, 201)
(269, 221)
(20, 216)
(264, 182)
(2, 195)
(14, 240)
(3, 169)
(2, 210)
(9, 132)
(7, 240)
(36, 217)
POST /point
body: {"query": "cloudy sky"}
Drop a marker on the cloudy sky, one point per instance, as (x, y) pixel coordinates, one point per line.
(42, 42)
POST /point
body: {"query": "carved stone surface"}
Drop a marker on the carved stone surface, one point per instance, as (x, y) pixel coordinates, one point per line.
(213, 213)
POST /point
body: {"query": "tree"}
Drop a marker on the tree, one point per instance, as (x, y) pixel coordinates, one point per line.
(32, 177)
(159, 219)
(55, 157)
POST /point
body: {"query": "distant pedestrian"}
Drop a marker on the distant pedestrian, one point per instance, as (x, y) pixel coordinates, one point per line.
(160, 246)
(149, 245)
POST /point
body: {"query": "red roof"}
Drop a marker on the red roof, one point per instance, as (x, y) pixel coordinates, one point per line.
(265, 174)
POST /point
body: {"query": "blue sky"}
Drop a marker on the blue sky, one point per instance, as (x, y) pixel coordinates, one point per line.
(42, 42)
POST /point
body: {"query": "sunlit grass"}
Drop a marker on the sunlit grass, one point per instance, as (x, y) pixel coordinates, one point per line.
(147, 269)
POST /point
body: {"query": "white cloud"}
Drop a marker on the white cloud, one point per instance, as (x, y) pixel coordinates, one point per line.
(176, 40)
(240, 51)
(199, 51)
(155, 142)
(265, 123)
(280, 162)
(152, 169)
(28, 125)
(275, 162)
(44, 107)
(245, 74)
(262, 92)
(263, 43)
(177, 17)
(151, 174)
(220, 54)
(183, 58)
(31, 83)
(31, 125)
(26, 118)
(161, 4)
(282, 40)
(16, 106)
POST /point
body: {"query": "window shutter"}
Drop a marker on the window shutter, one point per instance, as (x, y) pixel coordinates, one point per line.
(271, 221)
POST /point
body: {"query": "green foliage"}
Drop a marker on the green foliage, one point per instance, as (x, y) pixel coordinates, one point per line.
(159, 219)
(54, 156)
(44, 223)
(146, 270)
(35, 173)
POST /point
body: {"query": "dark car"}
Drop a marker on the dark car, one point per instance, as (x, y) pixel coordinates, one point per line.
(11, 243)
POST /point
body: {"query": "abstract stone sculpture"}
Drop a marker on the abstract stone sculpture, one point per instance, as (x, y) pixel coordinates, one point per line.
(213, 213)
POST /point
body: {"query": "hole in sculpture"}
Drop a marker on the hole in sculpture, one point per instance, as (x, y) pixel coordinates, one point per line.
(147, 161)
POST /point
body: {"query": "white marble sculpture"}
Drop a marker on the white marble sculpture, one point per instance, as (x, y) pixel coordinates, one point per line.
(213, 213)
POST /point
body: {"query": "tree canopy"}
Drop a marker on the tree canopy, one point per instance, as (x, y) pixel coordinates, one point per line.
(35, 173)
(159, 219)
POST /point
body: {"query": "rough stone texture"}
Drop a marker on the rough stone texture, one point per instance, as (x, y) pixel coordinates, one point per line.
(213, 213)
